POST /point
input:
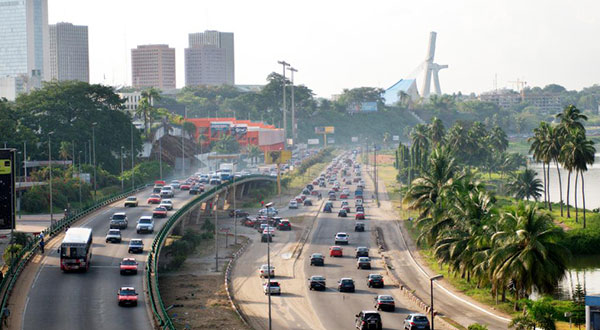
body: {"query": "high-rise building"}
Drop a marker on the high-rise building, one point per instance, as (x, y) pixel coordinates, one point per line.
(210, 59)
(69, 52)
(24, 40)
(153, 66)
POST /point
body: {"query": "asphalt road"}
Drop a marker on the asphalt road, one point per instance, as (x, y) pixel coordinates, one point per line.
(60, 300)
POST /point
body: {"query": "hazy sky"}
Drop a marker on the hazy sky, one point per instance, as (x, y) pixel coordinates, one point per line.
(345, 44)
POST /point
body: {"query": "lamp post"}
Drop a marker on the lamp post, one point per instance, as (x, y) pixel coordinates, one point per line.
(25, 161)
(160, 156)
(80, 181)
(292, 70)
(431, 279)
(284, 64)
(94, 156)
(122, 184)
(50, 183)
(269, 265)
(132, 161)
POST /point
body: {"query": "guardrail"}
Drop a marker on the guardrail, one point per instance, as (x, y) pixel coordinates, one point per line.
(157, 305)
(27, 252)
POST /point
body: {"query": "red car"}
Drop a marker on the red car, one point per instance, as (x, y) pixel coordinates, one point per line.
(299, 199)
(314, 192)
(128, 266)
(160, 182)
(346, 208)
(336, 251)
(336, 189)
(154, 199)
(185, 186)
(127, 296)
(315, 182)
(343, 196)
(249, 222)
(359, 216)
(159, 212)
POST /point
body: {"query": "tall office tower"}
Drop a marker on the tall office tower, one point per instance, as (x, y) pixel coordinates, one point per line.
(24, 38)
(153, 66)
(208, 53)
(69, 54)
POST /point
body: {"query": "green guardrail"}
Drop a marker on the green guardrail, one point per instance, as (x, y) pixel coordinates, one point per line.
(158, 307)
(20, 261)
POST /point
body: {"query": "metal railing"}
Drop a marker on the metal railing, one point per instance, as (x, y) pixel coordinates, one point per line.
(157, 305)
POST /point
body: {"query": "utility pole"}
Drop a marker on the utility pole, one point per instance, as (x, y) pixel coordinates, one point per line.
(284, 64)
(375, 171)
(132, 161)
(234, 211)
(182, 145)
(80, 181)
(216, 234)
(94, 154)
(293, 106)
(25, 160)
(269, 269)
(121, 154)
(160, 157)
(50, 167)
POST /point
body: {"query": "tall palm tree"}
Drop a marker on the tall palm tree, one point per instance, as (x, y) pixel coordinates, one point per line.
(528, 251)
(567, 160)
(552, 145)
(525, 185)
(538, 141)
(420, 144)
(571, 118)
(436, 131)
(580, 152)
(498, 139)
(146, 107)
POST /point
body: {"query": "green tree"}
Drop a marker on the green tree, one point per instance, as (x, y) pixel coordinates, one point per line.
(254, 153)
(146, 108)
(227, 144)
(525, 185)
(579, 152)
(436, 131)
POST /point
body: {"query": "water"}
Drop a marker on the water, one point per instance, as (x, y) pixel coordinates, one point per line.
(591, 178)
(583, 270)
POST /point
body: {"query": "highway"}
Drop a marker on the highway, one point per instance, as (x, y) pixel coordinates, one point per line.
(60, 300)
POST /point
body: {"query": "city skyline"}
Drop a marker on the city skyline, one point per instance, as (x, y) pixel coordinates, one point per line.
(373, 45)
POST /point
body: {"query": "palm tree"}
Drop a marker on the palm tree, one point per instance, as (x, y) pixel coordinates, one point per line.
(498, 139)
(579, 151)
(571, 118)
(65, 150)
(528, 251)
(525, 185)
(553, 145)
(146, 107)
(420, 144)
(254, 152)
(539, 153)
(436, 131)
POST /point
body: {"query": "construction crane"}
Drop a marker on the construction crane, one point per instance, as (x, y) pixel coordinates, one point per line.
(520, 84)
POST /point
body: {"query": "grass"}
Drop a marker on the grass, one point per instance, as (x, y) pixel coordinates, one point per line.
(519, 146)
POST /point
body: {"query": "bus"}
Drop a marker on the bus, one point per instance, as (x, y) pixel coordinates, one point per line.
(76, 250)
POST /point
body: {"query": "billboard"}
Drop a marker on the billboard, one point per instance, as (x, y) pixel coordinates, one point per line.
(331, 141)
(362, 107)
(396, 138)
(277, 156)
(219, 128)
(239, 131)
(7, 189)
(355, 139)
(312, 141)
(324, 130)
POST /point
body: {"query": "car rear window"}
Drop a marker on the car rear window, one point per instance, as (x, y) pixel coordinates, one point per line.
(369, 316)
(420, 318)
(113, 232)
(128, 262)
(145, 220)
(118, 216)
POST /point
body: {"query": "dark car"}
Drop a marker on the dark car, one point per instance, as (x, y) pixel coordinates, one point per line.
(317, 259)
(368, 320)
(346, 284)
(118, 221)
(385, 302)
(342, 213)
(310, 187)
(239, 213)
(327, 208)
(195, 190)
(317, 283)
(362, 251)
(284, 225)
(359, 226)
(136, 245)
(308, 202)
(375, 281)
(266, 238)
(360, 208)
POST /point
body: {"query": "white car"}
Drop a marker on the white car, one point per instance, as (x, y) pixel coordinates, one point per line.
(293, 204)
(167, 191)
(175, 184)
(145, 224)
(269, 230)
(274, 288)
(262, 271)
(341, 238)
(113, 236)
(167, 204)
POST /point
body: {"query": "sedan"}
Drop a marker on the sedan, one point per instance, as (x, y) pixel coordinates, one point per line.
(127, 296)
(113, 236)
(385, 303)
(317, 283)
(363, 263)
(416, 321)
(273, 287)
(167, 204)
(154, 199)
(136, 246)
(359, 216)
(375, 281)
(159, 212)
(342, 213)
(317, 259)
(346, 284)
(336, 251)
(128, 266)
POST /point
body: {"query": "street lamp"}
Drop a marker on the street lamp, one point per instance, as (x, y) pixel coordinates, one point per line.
(293, 105)
(121, 154)
(284, 64)
(94, 155)
(132, 162)
(50, 167)
(80, 181)
(267, 206)
(431, 279)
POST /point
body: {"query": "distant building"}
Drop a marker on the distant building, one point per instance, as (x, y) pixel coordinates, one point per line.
(153, 66)
(406, 87)
(547, 103)
(132, 100)
(69, 52)
(12, 86)
(210, 59)
(504, 98)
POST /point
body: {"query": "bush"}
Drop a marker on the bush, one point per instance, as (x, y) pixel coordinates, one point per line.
(66, 191)
(582, 241)
(11, 253)
(145, 172)
(477, 326)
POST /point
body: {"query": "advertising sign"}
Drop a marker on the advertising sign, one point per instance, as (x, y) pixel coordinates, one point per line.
(396, 138)
(355, 139)
(219, 128)
(239, 131)
(362, 107)
(277, 156)
(313, 141)
(324, 130)
(7, 189)
(330, 141)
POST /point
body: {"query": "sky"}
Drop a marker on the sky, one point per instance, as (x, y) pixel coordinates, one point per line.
(346, 44)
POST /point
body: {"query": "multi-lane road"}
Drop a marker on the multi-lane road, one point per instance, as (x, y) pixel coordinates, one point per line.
(60, 300)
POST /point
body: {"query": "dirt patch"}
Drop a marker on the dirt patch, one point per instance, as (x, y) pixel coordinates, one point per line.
(204, 300)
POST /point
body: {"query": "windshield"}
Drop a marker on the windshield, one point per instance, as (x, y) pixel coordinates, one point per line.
(145, 220)
(386, 298)
(114, 232)
(376, 277)
(136, 242)
(72, 252)
(420, 318)
(131, 198)
(318, 278)
(127, 293)
(118, 216)
(347, 282)
(128, 262)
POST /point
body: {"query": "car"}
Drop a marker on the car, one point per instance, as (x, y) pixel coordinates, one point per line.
(346, 284)
(196, 189)
(314, 193)
(273, 287)
(136, 245)
(342, 213)
(327, 208)
(317, 283)
(167, 204)
(262, 271)
(145, 224)
(215, 181)
(118, 221)
(128, 266)
(154, 199)
(270, 212)
(310, 186)
(363, 263)
(175, 184)
(113, 236)
(346, 208)
(185, 186)
(416, 321)
(322, 184)
(332, 197)
(238, 213)
(266, 238)
(126, 295)
(368, 320)
(359, 227)
(293, 204)
(156, 189)
(308, 202)
(269, 230)
(284, 225)
(298, 199)
(305, 192)
(336, 251)
(356, 179)
(159, 212)
(341, 238)
(362, 251)
(317, 259)
(167, 191)
(343, 196)
(131, 201)
(360, 208)
(375, 281)
(248, 221)
(359, 216)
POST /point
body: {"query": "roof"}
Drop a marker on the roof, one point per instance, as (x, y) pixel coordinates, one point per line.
(78, 235)
(404, 85)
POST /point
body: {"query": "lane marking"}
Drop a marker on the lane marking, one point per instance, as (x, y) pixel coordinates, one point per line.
(24, 313)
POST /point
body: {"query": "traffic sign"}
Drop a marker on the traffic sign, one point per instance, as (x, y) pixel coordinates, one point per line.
(277, 156)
